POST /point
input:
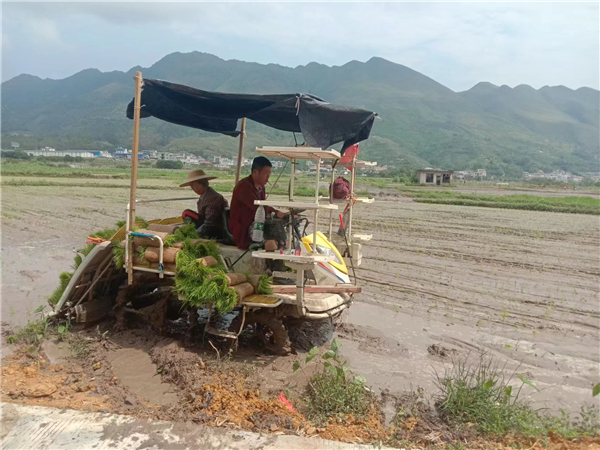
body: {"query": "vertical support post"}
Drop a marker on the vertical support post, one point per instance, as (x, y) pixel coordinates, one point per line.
(127, 239)
(300, 289)
(317, 202)
(291, 198)
(134, 168)
(293, 175)
(238, 171)
(318, 180)
(333, 165)
(352, 187)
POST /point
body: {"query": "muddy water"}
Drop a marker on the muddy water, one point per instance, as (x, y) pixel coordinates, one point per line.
(522, 286)
(135, 370)
(56, 352)
(29, 275)
(562, 368)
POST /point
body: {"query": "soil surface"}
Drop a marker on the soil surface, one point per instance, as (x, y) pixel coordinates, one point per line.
(439, 282)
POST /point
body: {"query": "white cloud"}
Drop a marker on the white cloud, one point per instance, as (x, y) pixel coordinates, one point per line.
(458, 44)
(44, 30)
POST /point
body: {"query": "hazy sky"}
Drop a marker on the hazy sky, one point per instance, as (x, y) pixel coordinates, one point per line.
(457, 44)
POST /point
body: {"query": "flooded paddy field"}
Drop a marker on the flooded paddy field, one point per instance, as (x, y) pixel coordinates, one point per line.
(439, 282)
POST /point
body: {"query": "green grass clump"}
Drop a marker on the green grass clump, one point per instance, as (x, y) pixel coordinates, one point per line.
(477, 393)
(333, 395)
(576, 205)
(334, 392)
(31, 334)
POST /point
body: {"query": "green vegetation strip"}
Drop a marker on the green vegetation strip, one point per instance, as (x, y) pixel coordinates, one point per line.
(95, 169)
(577, 205)
(300, 191)
(478, 393)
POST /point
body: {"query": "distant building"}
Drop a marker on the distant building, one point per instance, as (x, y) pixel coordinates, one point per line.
(223, 163)
(557, 175)
(49, 151)
(479, 174)
(124, 154)
(434, 176)
(102, 154)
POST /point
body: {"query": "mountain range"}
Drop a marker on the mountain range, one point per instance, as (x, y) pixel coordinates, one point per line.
(423, 123)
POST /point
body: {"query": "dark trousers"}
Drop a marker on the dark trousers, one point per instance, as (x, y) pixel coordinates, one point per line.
(207, 231)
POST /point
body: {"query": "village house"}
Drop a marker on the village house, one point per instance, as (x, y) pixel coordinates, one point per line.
(557, 175)
(434, 176)
(480, 174)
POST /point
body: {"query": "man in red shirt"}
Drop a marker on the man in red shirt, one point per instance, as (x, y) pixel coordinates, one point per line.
(243, 209)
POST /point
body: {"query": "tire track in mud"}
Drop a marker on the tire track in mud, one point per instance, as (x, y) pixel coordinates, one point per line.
(478, 306)
(511, 299)
(511, 307)
(454, 254)
(535, 272)
(481, 274)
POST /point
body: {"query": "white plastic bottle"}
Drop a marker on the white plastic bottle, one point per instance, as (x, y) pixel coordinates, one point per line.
(259, 225)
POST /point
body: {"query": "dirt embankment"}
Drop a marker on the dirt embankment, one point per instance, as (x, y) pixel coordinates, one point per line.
(136, 374)
(224, 393)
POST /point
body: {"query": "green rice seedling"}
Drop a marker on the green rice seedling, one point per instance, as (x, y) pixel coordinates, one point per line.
(118, 255)
(265, 285)
(64, 279)
(199, 285)
(187, 231)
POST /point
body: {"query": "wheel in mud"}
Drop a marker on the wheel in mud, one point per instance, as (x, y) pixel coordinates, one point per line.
(305, 334)
(268, 328)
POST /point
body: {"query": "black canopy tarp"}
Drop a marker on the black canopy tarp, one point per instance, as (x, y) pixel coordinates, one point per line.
(322, 124)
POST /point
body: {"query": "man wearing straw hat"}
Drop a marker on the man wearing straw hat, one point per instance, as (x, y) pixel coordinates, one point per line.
(210, 205)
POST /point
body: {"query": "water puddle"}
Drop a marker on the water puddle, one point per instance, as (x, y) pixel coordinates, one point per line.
(56, 352)
(135, 370)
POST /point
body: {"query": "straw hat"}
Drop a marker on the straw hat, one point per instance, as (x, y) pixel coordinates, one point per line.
(196, 175)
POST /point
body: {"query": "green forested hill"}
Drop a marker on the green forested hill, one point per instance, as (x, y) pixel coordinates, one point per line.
(423, 123)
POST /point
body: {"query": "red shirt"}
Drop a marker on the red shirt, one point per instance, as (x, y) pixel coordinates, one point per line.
(243, 209)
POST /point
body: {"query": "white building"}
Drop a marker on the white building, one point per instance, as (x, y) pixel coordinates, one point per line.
(49, 151)
(557, 175)
(223, 163)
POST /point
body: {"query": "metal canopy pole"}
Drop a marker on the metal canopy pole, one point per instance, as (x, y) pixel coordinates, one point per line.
(317, 209)
(238, 172)
(331, 199)
(134, 169)
(352, 187)
(291, 198)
